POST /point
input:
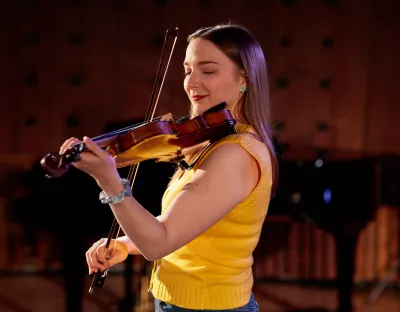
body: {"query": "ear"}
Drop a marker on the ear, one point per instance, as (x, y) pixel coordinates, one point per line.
(242, 78)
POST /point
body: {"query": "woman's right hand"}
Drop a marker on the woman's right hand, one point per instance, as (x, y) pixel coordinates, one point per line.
(96, 258)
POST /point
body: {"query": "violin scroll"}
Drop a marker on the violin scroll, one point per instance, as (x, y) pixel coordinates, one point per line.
(56, 165)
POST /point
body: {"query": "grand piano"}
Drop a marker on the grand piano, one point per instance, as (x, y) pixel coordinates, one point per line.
(339, 192)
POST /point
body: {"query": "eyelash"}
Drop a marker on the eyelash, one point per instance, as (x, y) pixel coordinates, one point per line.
(207, 73)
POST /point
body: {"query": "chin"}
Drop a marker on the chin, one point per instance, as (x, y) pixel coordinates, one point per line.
(196, 110)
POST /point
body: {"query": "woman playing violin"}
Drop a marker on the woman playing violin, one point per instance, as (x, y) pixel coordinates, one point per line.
(212, 215)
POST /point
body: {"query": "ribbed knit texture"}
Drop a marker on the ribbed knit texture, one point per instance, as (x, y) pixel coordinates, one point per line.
(214, 271)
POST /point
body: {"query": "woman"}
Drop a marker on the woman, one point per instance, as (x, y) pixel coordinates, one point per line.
(212, 215)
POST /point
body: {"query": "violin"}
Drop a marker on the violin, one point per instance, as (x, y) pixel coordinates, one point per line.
(161, 138)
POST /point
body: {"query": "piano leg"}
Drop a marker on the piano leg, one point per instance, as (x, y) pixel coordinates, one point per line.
(345, 257)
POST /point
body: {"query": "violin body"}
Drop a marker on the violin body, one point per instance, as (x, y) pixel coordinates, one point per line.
(163, 140)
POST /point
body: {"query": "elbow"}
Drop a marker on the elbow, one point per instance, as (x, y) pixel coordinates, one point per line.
(152, 256)
(149, 256)
(155, 253)
(159, 248)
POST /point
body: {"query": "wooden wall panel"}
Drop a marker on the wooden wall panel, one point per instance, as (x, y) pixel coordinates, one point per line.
(378, 249)
(73, 111)
(31, 101)
(294, 251)
(8, 80)
(347, 46)
(350, 86)
(301, 251)
(4, 255)
(384, 68)
(324, 71)
(97, 62)
(302, 67)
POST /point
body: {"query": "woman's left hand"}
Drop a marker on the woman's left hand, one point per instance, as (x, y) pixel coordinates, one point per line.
(97, 162)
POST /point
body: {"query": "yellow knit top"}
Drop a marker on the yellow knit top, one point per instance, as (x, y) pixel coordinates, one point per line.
(214, 271)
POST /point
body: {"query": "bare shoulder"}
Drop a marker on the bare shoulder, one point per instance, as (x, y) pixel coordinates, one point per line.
(230, 167)
(258, 149)
(247, 151)
(229, 153)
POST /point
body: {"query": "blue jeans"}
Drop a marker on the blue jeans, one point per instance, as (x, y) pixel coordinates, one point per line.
(161, 306)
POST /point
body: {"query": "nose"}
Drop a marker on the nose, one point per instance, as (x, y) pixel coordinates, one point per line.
(192, 81)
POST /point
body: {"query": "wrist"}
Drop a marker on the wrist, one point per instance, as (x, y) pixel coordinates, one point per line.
(126, 241)
(111, 185)
(127, 191)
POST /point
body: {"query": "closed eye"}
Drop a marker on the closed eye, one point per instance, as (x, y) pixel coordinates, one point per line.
(204, 72)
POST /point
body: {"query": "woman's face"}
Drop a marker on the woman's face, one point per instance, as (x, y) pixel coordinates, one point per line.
(211, 77)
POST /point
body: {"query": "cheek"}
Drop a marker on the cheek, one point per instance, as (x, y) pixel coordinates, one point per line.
(228, 91)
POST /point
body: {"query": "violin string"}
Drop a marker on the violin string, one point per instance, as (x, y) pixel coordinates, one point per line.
(122, 130)
(128, 128)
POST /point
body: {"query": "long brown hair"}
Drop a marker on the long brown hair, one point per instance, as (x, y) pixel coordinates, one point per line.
(237, 43)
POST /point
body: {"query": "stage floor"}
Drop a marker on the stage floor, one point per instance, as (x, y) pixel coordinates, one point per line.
(35, 293)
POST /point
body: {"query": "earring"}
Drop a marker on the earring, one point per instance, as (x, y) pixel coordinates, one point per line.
(243, 89)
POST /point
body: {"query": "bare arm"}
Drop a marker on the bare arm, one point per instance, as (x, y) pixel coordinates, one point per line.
(223, 180)
(132, 249)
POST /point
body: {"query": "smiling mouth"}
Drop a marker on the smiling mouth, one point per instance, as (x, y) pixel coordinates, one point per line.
(198, 97)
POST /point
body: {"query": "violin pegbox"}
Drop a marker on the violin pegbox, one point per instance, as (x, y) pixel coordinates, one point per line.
(73, 153)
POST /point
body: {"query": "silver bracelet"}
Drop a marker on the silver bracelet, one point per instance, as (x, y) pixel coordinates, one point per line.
(119, 198)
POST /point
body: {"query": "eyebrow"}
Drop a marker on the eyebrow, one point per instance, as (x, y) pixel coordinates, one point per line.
(201, 63)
